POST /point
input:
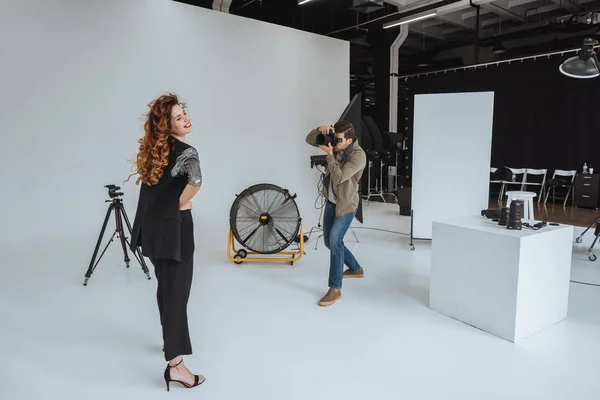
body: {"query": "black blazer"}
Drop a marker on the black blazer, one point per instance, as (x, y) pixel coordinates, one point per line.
(158, 226)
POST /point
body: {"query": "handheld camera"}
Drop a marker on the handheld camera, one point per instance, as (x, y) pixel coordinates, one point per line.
(327, 139)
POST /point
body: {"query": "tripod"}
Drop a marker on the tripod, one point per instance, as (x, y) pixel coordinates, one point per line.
(319, 227)
(579, 239)
(120, 214)
(376, 193)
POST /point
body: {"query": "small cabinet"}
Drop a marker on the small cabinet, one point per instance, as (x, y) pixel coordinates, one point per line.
(586, 188)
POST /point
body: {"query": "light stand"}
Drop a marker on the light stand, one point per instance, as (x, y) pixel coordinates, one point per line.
(321, 161)
(120, 215)
(374, 155)
(318, 161)
(386, 156)
(578, 239)
(319, 226)
(378, 188)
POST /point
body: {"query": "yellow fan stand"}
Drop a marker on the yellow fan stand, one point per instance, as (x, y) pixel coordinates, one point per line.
(242, 255)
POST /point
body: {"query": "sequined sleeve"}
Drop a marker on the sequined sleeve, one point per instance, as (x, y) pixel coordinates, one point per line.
(188, 164)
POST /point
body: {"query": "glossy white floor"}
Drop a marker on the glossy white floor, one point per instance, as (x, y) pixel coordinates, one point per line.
(258, 333)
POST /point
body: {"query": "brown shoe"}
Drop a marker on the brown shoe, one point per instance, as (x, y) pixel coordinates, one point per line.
(330, 298)
(351, 274)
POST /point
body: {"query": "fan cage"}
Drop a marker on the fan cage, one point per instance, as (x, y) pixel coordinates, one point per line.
(265, 219)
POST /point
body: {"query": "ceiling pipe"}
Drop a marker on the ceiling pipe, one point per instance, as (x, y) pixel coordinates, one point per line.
(496, 63)
(243, 6)
(478, 8)
(552, 27)
(221, 5)
(398, 14)
(394, 66)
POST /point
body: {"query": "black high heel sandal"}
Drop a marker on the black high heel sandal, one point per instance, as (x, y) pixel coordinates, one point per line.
(168, 377)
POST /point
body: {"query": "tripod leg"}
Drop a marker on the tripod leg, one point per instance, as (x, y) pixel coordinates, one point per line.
(591, 255)
(587, 229)
(139, 256)
(121, 232)
(355, 237)
(88, 274)
(412, 246)
(314, 228)
(369, 182)
(381, 182)
(317, 242)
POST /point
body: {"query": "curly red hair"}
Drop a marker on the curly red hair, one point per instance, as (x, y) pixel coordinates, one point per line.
(153, 153)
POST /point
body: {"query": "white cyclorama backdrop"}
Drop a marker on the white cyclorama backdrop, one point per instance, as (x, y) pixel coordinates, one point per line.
(451, 157)
(76, 80)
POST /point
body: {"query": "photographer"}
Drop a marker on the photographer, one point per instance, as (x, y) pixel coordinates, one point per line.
(346, 161)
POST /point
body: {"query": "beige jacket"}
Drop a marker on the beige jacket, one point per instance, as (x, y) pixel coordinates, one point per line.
(345, 168)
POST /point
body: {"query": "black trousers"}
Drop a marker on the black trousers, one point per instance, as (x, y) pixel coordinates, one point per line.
(174, 285)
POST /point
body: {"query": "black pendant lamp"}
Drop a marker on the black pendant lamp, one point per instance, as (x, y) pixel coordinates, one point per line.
(584, 65)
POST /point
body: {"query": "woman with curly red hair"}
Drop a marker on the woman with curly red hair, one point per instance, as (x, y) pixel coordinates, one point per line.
(170, 176)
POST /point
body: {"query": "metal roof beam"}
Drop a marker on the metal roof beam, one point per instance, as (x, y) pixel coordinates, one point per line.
(503, 12)
(457, 20)
(567, 5)
(431, 33)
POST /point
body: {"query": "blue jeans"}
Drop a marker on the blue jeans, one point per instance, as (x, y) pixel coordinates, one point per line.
(334, 229)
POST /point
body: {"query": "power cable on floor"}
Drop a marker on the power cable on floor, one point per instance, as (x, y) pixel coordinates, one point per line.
(382, 230)
(585, 283)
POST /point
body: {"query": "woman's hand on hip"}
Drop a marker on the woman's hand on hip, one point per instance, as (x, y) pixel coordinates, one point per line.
(186, 206)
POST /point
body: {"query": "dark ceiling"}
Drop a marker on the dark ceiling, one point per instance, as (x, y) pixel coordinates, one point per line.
(463, 32)
(522, 27)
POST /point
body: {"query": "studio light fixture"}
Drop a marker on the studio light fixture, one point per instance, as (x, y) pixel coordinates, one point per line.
(498, 49)
(585, 64)
(410, 19)
(300, 2)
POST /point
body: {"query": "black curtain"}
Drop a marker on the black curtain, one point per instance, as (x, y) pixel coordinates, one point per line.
(542, 119)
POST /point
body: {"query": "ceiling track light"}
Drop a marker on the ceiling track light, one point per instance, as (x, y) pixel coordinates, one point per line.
(410, 19)
(585, 64)
(499, 49)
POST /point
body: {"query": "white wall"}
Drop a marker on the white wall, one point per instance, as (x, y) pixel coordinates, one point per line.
(76, 79)
(451, 157)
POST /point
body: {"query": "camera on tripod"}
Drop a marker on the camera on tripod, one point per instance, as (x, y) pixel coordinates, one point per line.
(121, 221)
(112, 191)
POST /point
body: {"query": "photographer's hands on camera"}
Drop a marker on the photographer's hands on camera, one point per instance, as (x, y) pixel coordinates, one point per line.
(325, 130)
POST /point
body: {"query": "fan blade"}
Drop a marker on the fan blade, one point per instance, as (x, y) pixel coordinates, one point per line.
(251, 234)
(265, 200)
(281, 234)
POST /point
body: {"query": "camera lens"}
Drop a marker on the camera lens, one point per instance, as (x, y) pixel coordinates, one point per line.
(503, 218)
(325, 139)
(514, 216)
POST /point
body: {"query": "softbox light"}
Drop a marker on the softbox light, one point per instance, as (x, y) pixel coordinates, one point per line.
(584, 65)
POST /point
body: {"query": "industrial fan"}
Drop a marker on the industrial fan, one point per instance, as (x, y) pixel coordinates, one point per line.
(264, 219)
